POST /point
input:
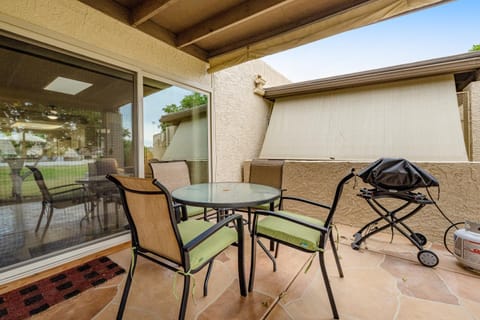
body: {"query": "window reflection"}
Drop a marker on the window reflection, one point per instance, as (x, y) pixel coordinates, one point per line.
(60, 115)
(176, 127)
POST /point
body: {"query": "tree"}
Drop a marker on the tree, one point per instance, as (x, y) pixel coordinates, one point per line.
(475, 47)
(193, 100)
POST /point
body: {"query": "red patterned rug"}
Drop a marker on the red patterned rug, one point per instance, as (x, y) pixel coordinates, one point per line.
(36, 297)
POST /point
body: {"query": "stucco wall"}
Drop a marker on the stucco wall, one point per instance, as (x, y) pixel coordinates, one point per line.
(240, 117)
(78, 24)
(459, 193)
(474, 94)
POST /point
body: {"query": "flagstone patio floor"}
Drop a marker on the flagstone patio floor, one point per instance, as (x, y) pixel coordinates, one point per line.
(382, 280)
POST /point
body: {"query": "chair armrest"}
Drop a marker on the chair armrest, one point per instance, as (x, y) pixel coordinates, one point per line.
(66, 190)
(180, 212)
(318, 204)
(291, 219)
(65, 186)
(211, 231)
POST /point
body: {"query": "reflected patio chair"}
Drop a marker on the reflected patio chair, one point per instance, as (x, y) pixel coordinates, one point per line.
(103, 166)
(105, 190)
(299, 232)
(184, 247)
(269, 173)
(59, 197)
(175, 174)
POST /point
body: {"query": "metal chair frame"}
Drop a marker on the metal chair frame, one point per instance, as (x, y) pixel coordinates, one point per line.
(325, 235)
(139, 250)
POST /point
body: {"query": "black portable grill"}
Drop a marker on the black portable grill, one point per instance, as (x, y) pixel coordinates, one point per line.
(396, 178)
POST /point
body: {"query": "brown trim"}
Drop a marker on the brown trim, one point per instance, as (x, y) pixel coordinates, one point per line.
(468, 62)
(21, 282)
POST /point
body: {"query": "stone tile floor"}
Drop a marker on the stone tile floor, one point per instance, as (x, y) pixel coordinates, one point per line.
(383, 281)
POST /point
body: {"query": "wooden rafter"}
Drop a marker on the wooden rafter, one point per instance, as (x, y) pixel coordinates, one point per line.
(123, 14)
(286, 28)
(227, 19)
(110, 8)
(148, 9)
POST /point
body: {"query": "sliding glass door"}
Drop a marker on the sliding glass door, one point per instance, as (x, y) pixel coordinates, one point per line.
(64, 122)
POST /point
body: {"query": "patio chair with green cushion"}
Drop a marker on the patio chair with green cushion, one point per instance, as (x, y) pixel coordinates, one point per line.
(185, 247)
(174, 174)
(269, 173)
(299, 232)
(60, 197)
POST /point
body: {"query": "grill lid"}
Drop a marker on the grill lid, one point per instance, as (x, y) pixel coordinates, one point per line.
(396, 174)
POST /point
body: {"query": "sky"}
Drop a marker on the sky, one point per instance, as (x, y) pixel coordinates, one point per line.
(443, 30)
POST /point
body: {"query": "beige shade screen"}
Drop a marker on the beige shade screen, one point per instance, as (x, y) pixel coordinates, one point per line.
(190, 141)
(414, 119)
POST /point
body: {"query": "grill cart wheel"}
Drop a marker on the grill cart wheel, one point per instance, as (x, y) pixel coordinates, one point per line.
(420, 238)
(427, 258)
(356, 238)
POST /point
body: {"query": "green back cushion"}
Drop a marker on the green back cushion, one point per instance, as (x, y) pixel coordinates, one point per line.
(290, 232)
(266, 206)
(209, 248)
(194, 211)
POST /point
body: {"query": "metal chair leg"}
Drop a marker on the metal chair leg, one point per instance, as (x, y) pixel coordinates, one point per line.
(240, 258)
(277, 245)
(327, 285)
(253, 256)
(335, 254)
(44, 207)
(269, 255)
(207, 276)
(126, 289)
(186, 289)
(49, 218)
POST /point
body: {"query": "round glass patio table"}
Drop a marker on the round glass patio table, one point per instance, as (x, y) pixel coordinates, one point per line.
(225, 195)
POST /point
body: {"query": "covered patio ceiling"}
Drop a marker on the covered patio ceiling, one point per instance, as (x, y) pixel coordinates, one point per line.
(225, 33)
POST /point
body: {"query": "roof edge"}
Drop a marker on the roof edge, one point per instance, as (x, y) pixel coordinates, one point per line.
(452, 64)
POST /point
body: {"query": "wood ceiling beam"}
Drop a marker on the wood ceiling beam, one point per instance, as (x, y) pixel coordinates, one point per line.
(168, 37)
(227, 19)
(110, 8)
(123, 14)
(284, 29)
(148, 9)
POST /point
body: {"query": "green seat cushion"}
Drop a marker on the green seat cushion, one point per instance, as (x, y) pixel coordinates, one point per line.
(266, 206)
(194, 211)
(290, 232)
(209, 248)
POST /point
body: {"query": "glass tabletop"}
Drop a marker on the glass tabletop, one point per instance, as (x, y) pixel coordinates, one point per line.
(225, 194)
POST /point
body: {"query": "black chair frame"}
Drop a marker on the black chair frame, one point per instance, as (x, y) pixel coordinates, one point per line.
(325, 235)
(48, 198)
(138, 250)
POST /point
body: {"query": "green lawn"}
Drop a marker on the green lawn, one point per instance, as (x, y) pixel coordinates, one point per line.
(53, 175)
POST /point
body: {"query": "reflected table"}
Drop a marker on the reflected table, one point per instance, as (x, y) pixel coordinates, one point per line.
(103, 189)
(224, 196)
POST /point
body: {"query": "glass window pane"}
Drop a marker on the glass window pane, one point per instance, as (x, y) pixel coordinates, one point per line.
(176, 127)
(70, 120)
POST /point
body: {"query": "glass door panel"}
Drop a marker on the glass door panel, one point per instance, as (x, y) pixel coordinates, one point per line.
(61, 120)
(176, 127)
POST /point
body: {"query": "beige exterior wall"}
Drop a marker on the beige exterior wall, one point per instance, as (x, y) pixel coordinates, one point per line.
(459, 194)
(240, 117)
(70, 23)
(474, 95)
